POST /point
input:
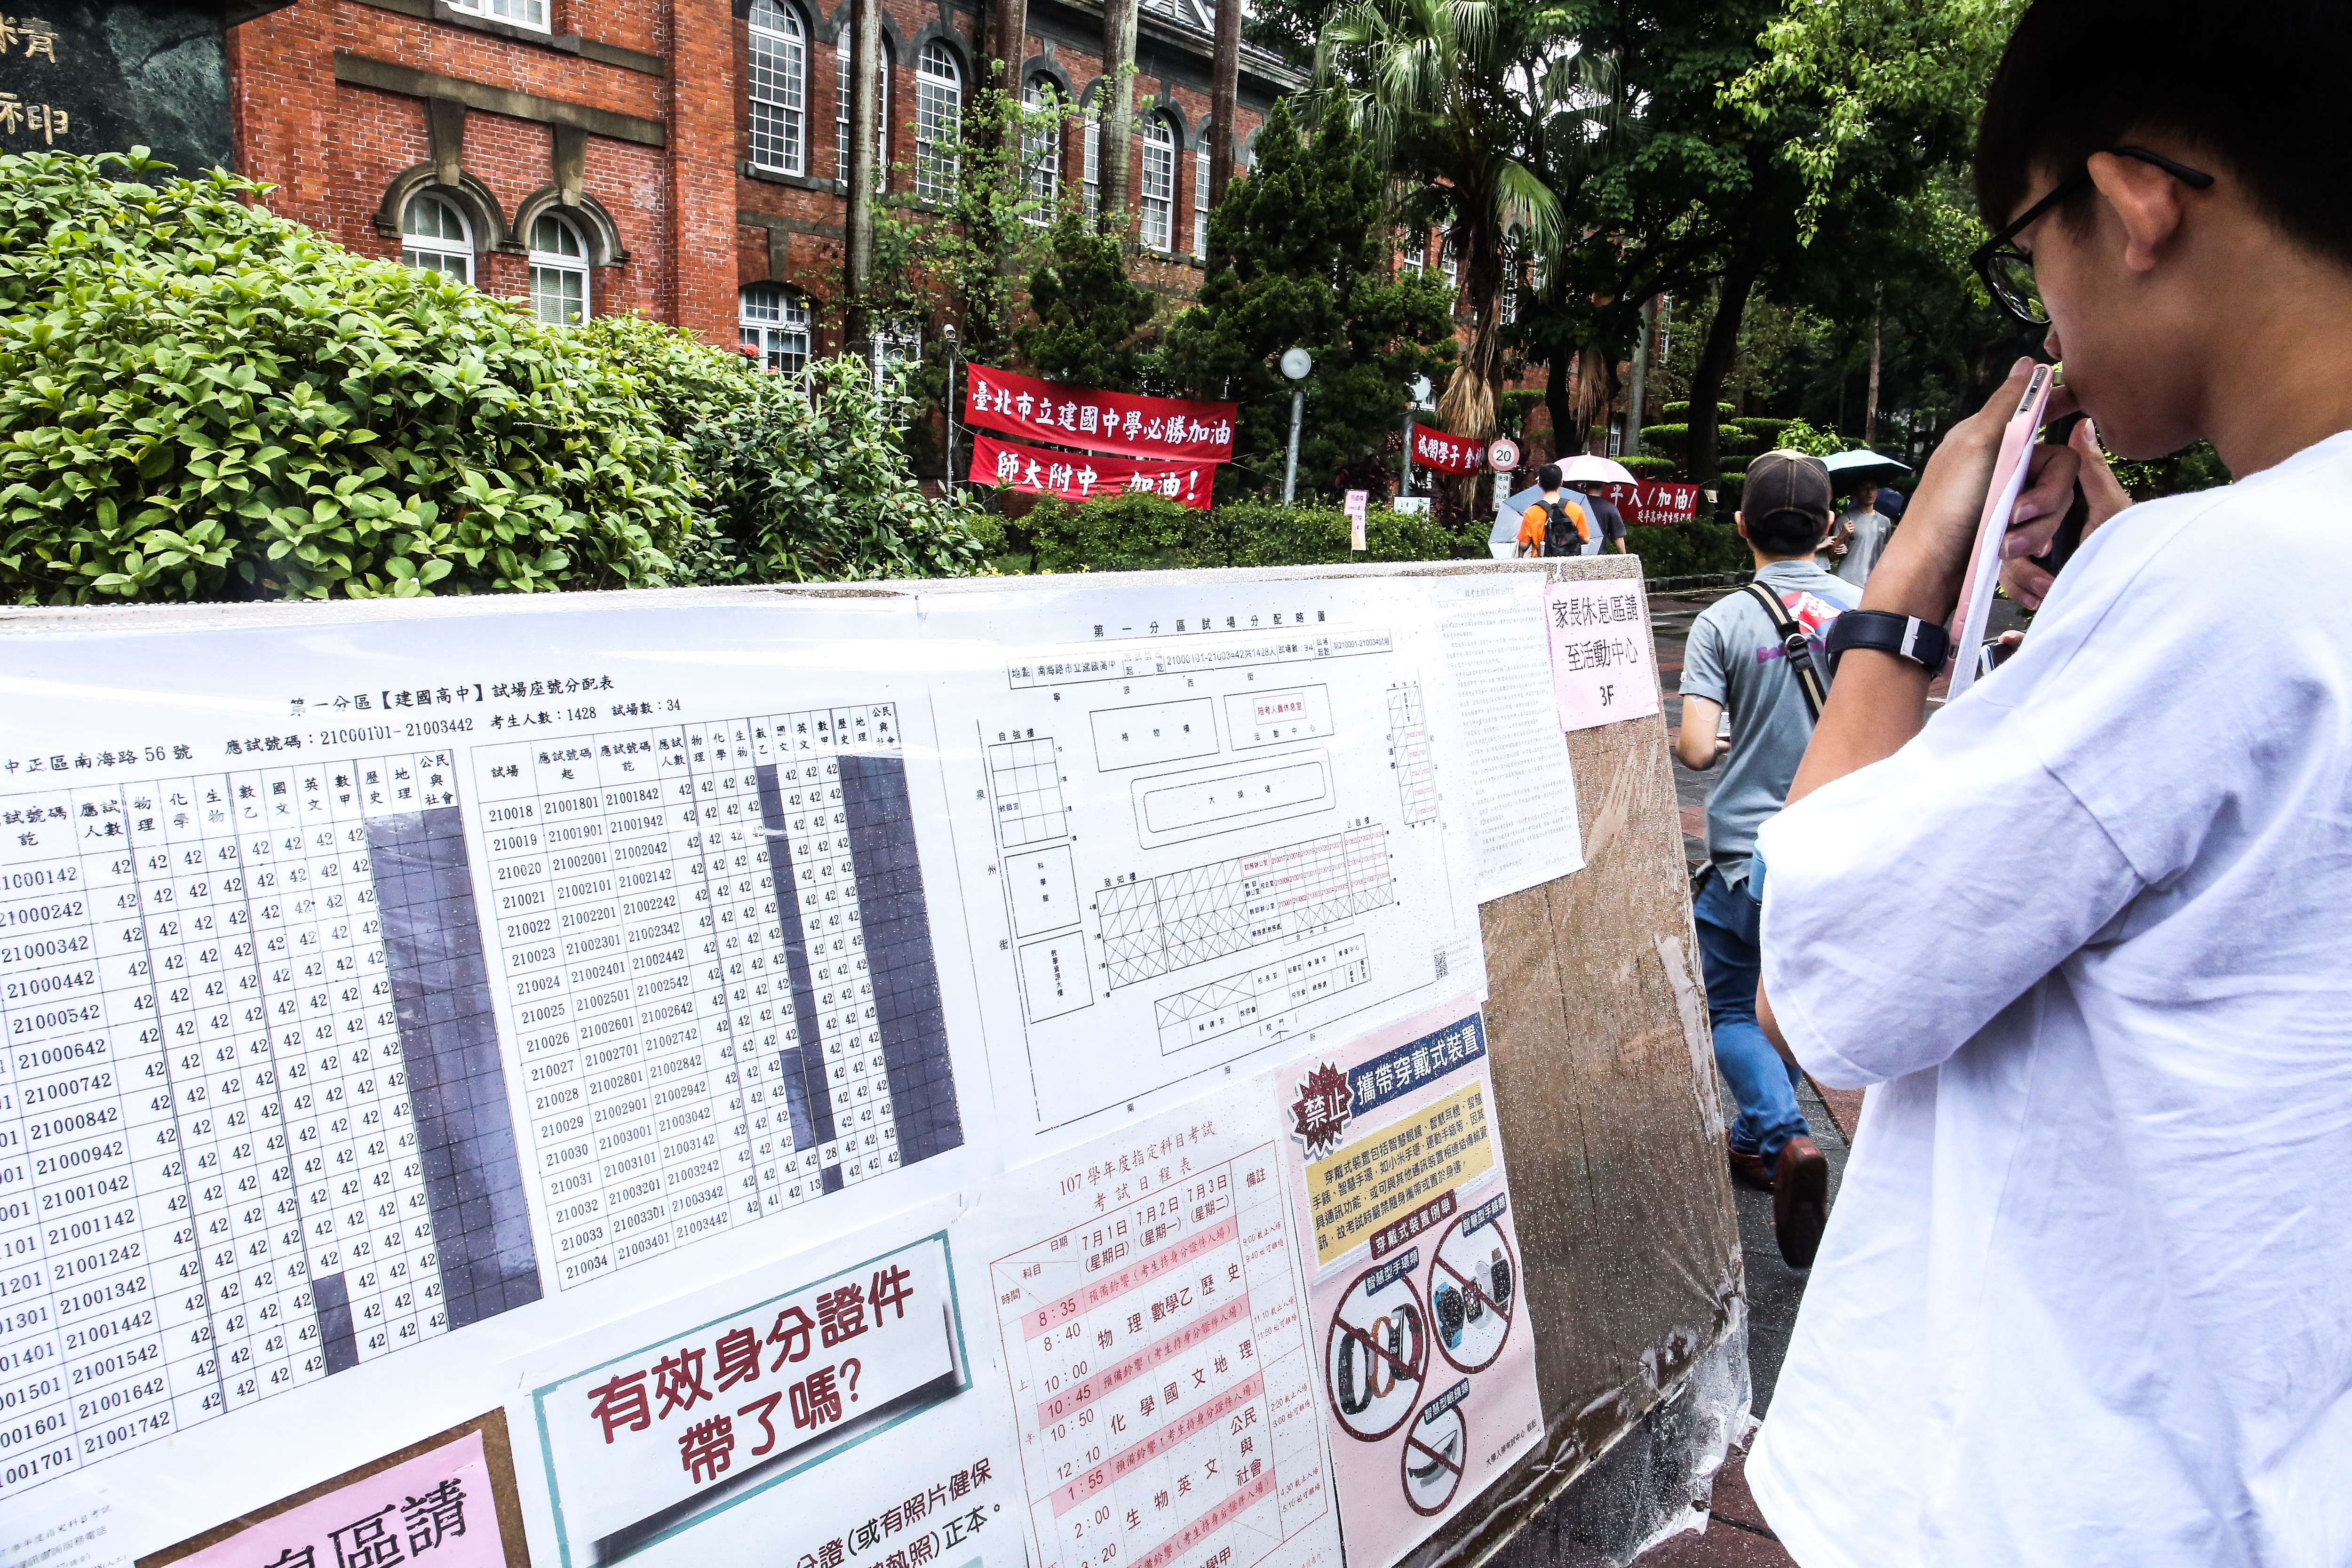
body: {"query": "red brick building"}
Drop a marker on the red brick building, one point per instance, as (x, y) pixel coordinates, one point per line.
(682, 158)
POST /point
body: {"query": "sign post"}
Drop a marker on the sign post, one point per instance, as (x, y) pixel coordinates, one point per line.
(1358, 502)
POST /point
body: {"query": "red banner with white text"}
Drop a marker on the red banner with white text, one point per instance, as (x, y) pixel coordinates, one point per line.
(1074, 476)
(1446, 453)
(1171, 428)
(1654, 501)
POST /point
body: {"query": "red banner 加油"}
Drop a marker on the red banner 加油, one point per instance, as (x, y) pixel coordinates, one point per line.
(1654, 501)
(1073, 476)
(1117, 422)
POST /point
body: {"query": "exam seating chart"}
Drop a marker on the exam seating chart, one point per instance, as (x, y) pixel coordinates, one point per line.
(412, 1008)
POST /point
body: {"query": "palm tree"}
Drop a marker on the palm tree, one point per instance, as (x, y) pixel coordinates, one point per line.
(1453, 95)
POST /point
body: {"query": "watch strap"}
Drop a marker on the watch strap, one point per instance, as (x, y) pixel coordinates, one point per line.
(1924, 643)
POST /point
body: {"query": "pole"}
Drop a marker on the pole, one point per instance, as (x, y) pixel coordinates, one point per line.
(1290, 470)
(1407, 450)
(1636, 387)
(950, 409)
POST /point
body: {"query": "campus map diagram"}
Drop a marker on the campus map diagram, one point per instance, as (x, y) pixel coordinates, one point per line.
(1214, 828)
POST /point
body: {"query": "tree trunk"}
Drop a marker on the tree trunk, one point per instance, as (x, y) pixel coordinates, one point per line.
(1224, 86)
(1117, 115)
(864, 117)
(1715, 359)
(1870, 403)
(1009, 43)
(1559, 400)
(1468, 406)
(1637, 390)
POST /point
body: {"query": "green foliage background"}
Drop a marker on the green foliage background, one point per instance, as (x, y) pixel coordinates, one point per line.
(1138, 532)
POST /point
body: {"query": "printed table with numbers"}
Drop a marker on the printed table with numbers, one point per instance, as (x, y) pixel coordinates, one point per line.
(238, 1096)
(1159, 1368)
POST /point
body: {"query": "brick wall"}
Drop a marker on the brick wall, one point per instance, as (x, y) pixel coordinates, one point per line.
(332, 148)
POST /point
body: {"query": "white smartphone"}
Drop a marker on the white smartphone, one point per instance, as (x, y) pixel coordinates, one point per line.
(2009, 472)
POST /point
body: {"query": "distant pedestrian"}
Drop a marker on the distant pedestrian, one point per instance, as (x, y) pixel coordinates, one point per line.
(1554, 525)
(1609, 523)
(1758, 653)
(1863, 528)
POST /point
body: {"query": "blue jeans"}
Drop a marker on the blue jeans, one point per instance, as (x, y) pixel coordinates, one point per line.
(1764, 1085)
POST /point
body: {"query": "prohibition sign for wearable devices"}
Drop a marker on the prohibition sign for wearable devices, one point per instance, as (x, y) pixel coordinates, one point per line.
(1474, 1292)
(1376, 1353)
(1433, 1457)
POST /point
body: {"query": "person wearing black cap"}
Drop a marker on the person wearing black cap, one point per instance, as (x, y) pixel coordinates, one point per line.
(1753, 661)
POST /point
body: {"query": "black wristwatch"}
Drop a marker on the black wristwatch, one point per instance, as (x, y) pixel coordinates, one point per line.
(1924, 643)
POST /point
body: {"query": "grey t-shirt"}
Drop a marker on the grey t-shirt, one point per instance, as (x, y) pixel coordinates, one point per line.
(1734, 658)
(1863, 550)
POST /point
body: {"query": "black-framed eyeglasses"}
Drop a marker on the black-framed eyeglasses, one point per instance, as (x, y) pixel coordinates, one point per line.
(2008, 272)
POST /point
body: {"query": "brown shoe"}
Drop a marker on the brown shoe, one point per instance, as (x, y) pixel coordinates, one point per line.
(1750, 1171)
(1801, 1201)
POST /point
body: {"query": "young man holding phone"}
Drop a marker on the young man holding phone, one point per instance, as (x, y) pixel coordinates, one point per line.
(2082, 1299)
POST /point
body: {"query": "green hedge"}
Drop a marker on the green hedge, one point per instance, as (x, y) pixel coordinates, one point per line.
(1137, 533)
(1688, 549)
(1682, 410)
(1648, 465)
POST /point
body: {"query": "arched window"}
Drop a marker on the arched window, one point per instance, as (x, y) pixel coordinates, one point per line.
(841, 116)
(775, 321)
(939, 110)
(1158, 183)
(1201, 201)
(559, 272)
(434, 237)
(1041, 148)
(779, 87)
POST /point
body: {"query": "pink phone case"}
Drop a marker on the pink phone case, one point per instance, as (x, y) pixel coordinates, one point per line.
(1967, 625)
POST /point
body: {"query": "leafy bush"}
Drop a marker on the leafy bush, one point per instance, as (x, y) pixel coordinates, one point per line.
(1673, 437)
(203, 399)
(799, 481)
(1688, 549)
(1648, 465)
(1766, 431)
(1138, 533)
(200, 399)
(1682, 410)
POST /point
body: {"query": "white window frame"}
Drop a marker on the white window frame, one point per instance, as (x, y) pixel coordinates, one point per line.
(776, 321)
(841, 48)
(548, 266)
(1157, 186)
(1093, 168)
(896, 344)
(532, 13)
(416, 247)
(939, 113)
(779, 87)
(1041, 149)
(1449, 263)
(1201, 203)
(1413, 253)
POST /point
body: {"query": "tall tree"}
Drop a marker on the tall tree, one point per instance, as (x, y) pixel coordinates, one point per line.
(1117, 111)
(1224, 86)
(1298, 259)
(1090, 313)
(864, 121)
(1448, 94)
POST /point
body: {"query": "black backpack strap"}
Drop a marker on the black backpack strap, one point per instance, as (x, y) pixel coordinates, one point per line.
(1795, 647)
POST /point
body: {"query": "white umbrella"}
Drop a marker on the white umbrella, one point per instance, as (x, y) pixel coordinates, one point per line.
(1585, 468)
(1862, 457)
